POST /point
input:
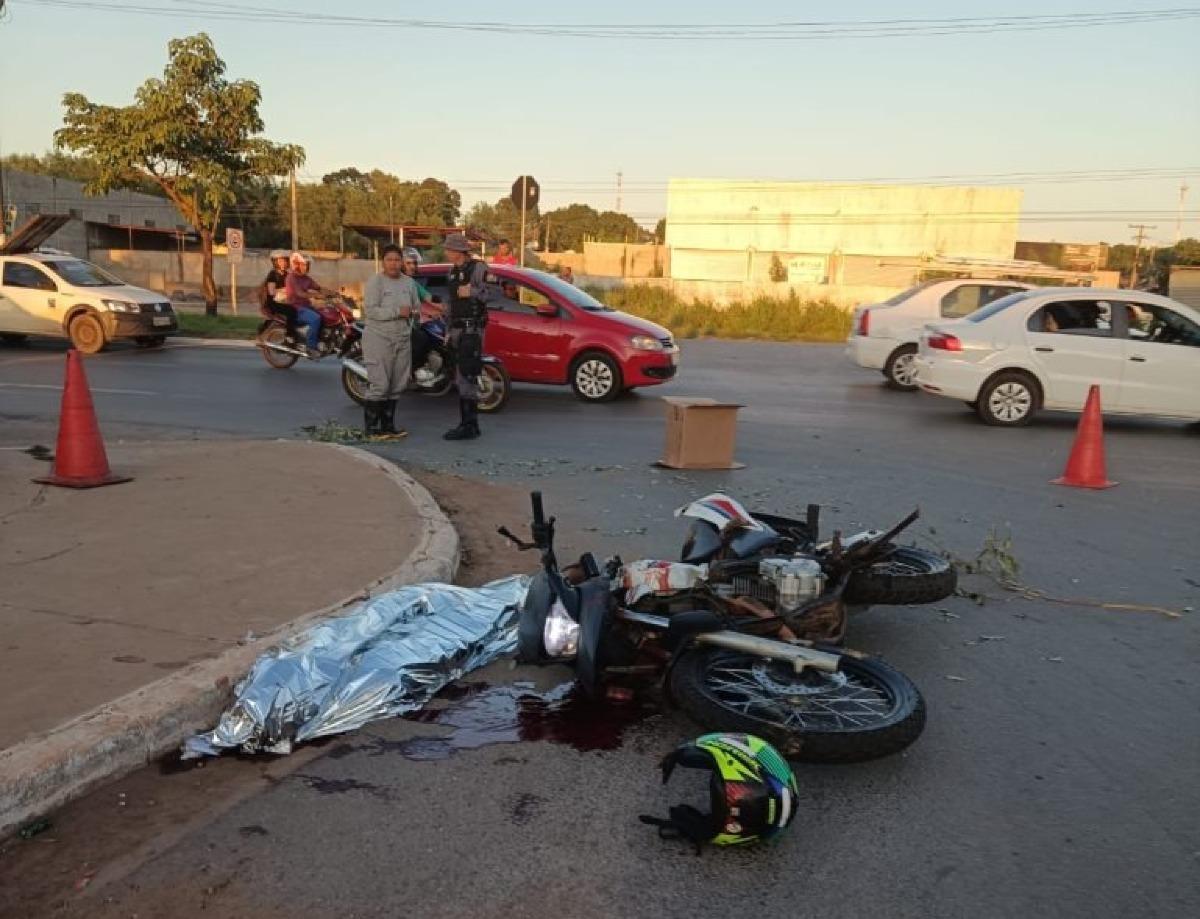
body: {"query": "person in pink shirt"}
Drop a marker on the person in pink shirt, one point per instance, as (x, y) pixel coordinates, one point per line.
(299, 286)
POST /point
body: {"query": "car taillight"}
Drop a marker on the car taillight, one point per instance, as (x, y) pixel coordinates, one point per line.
(944, 342)
(864, 322)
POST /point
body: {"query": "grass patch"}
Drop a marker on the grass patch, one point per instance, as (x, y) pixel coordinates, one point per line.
(784, 319)
(199, 325)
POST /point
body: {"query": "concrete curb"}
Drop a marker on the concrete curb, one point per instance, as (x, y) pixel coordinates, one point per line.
(45, 771)
(181, 342)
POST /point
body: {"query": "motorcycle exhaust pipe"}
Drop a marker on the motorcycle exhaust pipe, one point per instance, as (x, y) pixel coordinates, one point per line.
(354, 367)
(798, 656)
(284, 348)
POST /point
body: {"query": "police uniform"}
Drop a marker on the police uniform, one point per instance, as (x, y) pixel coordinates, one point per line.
(468, 317)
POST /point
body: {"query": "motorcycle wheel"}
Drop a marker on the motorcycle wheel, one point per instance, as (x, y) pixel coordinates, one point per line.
(494, 388)
(907, 576)
(280, 360)
(355, 386)
(864, 711)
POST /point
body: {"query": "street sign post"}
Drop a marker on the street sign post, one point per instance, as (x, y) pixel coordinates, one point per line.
(525, 195)
(235, 248)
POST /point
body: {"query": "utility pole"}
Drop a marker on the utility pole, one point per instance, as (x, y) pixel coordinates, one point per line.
(524, 198)
(620, 183)
(391, 219)
(1183, 190)
(547, 233)
(1139, 238)
(295, 215)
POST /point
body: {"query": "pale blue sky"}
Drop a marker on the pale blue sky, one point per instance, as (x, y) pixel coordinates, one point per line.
(478, 110)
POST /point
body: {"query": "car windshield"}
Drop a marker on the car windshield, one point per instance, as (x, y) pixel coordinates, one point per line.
(906, 294)
(571, 293)
(83, 274)
(997, 306)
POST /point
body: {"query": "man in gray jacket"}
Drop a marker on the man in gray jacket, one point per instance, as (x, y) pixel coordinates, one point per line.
(390, 303)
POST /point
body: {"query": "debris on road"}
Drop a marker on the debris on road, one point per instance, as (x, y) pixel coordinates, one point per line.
(388, 657)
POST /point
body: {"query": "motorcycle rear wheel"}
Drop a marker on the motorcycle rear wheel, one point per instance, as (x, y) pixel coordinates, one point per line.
(864, 711)
(276, 335)
(494, 388)
(907, 576)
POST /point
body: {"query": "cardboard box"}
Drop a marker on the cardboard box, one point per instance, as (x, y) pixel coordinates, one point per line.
(700, 434)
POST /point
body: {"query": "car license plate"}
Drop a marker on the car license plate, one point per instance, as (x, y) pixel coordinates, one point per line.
(162, 320)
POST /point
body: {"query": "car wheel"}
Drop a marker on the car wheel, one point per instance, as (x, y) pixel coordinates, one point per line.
(901, 369)
(596, 377)
(1008, 400)
(87, 335)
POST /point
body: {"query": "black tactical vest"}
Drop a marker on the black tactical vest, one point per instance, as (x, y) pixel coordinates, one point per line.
(464, 307)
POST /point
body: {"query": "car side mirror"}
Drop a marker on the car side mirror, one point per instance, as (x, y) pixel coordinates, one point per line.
(547, 310)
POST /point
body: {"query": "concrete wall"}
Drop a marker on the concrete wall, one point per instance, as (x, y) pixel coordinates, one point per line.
(1184, 285)
(729, 231)
(31, 194)
(613, 260)
(178, 274)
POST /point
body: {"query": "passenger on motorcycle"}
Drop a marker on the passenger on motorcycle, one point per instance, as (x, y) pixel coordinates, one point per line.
(273, 297)
(431, 310)
(299, 286)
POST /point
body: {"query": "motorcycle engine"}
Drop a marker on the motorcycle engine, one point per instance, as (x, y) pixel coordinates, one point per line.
(796, 580)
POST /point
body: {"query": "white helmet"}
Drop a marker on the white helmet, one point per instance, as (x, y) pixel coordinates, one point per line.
(278, 253)
(300, 257)
(411, 254)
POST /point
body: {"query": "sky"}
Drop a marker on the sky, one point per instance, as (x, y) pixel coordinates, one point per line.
(479, 109)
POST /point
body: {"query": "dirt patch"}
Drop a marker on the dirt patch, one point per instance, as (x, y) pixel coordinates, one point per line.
(477, 509)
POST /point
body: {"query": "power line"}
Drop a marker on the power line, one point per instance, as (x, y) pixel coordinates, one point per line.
(817, 30)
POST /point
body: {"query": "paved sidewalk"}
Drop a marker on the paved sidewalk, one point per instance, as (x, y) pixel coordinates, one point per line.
(115, 598)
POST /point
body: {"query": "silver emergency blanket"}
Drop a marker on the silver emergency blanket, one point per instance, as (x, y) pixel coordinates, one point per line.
(388, 657)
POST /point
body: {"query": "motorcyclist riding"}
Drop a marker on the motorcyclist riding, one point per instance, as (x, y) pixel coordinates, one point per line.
(298, 287)
(273, 297)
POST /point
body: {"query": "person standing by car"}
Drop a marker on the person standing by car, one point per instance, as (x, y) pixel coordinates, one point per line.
(469, 295)
(390, 301)
(299, 286)
(430, 310)
(504, 254)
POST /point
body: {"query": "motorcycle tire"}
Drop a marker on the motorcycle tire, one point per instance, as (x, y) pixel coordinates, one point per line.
(280, 360)
(496, 389)
(907, 576)
(865, 711)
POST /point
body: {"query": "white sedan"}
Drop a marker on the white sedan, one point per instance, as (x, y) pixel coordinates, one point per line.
(1044, 348)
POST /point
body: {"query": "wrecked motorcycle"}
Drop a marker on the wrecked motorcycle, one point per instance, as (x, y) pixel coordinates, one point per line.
(721, 660)
(782, 564)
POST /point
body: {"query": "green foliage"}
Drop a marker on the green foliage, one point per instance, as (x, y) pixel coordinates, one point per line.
(192, 132)
(571, 226)
(199, 325)
(660, 231)
(502, 220)
(64, 166)
(786, 319)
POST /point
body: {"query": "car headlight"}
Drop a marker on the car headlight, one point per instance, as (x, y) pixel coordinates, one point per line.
(560, 635)
(121, 306)
(646, 343)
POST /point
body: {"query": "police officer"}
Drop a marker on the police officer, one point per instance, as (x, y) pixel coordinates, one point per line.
(469, 294)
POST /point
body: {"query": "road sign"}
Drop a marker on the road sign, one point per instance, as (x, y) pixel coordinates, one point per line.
(526, 192)
(235, 243)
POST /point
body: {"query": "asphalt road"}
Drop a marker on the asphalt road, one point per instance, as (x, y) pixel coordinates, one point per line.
(1058, 772)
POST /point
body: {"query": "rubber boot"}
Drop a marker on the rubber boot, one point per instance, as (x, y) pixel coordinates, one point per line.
(468, 427)
(387, 421)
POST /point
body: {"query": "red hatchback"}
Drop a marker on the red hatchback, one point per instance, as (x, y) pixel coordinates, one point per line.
(545, 330)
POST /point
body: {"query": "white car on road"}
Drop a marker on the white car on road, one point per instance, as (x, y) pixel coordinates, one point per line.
(1044, 348)
(884, 335)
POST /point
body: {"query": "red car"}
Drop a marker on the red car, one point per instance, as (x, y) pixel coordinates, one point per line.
(545, 330)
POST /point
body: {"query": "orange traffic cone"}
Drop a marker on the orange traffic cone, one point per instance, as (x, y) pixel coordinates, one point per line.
(79, 460)
(1085, 466)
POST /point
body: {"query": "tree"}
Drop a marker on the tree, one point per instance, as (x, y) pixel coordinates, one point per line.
(660, 231)
(502, 220)
(193, 133)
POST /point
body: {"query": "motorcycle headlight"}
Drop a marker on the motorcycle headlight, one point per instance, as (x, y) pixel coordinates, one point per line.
(645, 343)
(121, 306)
(560, 636)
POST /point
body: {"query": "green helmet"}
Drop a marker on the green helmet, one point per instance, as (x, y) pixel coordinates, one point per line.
(752, 789)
